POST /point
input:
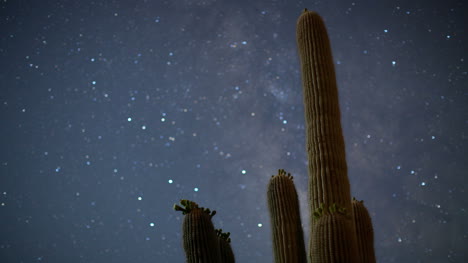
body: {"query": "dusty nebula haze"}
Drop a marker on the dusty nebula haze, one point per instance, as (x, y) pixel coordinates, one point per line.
(112, 111)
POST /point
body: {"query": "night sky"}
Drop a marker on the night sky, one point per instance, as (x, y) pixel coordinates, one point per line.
(112, 111)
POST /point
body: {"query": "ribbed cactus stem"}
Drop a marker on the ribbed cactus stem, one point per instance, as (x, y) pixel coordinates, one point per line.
(283, 204)
(325, 144)
(328, 180)
(364, 232)
(200, 240)
(227, 255)
(330, 240)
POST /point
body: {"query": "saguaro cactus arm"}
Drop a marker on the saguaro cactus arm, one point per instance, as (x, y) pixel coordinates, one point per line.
(227, 255)
(364, 232)
(283, 204)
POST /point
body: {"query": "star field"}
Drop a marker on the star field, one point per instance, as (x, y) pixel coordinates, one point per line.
(112, 111)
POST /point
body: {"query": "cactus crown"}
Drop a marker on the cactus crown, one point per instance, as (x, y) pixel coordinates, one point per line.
(222, 235)
(282, 172)
(188, 206)
(333, 208)
(361, 201)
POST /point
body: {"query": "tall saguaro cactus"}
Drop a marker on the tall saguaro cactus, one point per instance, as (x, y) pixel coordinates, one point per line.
(328, 179)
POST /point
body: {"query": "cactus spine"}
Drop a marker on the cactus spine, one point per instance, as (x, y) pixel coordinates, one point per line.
(364, 232)
(283, 203)
(328, 179)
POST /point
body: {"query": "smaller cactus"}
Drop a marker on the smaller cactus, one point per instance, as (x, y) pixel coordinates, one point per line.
(283, 203)
(227, 255)
(364, 232)
(200, 240)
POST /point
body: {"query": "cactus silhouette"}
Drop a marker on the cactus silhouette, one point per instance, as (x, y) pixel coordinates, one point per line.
(200, 241)
(364, 232)
(328, 179)
(341, 228)
(283, 204)
(227, 255)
